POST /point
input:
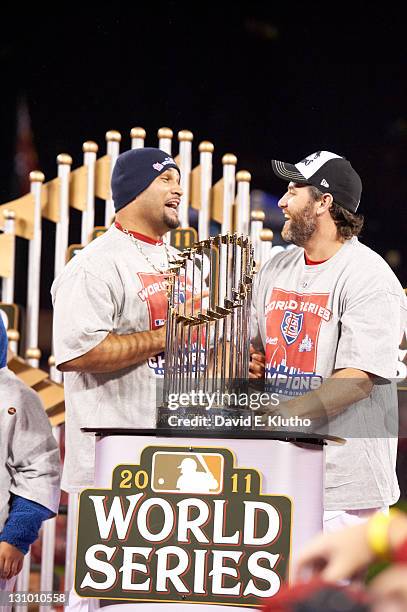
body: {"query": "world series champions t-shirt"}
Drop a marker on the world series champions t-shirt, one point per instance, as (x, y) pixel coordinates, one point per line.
(108, 287)
(311, 320)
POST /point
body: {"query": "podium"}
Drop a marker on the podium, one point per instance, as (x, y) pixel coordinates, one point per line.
(248, 492)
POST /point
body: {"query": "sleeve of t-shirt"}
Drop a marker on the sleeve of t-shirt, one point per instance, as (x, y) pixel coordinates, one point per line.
(24, 522)
(370, 333)
(33, 454)
(84, 314)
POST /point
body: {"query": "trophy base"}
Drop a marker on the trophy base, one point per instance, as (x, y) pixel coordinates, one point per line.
(215, 419)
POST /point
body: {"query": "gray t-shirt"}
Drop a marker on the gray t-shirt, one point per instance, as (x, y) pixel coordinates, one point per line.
(29, 454)
(108, 287)
(348, 312)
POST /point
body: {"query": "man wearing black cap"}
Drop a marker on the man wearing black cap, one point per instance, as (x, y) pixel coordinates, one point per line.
(110, 307)
(329, 316)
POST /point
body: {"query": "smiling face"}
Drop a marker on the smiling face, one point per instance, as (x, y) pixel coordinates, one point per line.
(299, 211)
(155, 211)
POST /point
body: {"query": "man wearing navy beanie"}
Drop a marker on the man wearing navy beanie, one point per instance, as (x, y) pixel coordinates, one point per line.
(29, 470)
(110, 308)
(135, 170)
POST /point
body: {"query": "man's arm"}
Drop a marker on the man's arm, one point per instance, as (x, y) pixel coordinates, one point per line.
(33, 453)
(342, 389)
(116, 352)
(367, 350)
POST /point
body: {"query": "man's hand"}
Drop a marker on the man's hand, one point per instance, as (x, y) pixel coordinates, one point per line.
(197, 301)
(11, 560)
(336, 556)
(257, 364)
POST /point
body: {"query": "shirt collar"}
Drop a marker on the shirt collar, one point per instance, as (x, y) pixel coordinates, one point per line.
(139, 236)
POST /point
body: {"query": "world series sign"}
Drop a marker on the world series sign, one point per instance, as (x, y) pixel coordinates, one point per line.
(185, 525)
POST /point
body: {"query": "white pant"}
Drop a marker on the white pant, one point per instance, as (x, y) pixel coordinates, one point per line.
(80, 604)
(334, 520)
(8, 587)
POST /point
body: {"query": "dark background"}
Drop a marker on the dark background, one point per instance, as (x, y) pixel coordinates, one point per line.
(257, 81)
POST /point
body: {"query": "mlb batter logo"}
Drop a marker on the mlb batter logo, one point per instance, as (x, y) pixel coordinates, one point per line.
(181, 472)
(291, 326)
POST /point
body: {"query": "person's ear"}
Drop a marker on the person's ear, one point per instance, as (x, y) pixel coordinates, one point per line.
(324, 203)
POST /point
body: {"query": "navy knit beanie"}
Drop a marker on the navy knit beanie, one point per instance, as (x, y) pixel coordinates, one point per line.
(3, 344)
(135, 170)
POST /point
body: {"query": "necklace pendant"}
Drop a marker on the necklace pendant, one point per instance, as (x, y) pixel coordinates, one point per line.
(163, 267)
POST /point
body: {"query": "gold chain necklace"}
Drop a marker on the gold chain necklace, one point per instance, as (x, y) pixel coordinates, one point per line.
(146, 257)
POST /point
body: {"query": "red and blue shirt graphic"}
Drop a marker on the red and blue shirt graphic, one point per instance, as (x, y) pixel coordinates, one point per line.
(154, 293)
(293, 324)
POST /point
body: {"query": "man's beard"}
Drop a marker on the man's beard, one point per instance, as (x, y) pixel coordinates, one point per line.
(171, 221)
(301, 226)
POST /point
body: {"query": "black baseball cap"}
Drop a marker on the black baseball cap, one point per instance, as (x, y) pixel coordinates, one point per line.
(328, 172)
